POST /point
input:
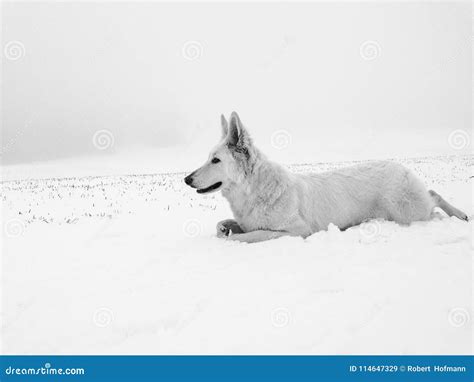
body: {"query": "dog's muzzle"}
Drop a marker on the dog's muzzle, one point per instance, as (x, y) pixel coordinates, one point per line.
(188, 180)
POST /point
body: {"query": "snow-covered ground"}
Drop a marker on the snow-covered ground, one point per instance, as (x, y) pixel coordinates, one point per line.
(131, 265)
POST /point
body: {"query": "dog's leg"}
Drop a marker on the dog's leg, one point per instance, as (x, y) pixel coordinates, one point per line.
(257, 236)
(225, 227)
(446, 207)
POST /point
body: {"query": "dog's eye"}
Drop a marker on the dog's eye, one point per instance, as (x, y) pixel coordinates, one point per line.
(215, 160)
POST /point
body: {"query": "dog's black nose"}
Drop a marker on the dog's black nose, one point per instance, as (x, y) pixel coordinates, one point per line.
(188, 180)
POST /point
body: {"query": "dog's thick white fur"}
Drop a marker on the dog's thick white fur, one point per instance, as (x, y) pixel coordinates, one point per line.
(268, 201)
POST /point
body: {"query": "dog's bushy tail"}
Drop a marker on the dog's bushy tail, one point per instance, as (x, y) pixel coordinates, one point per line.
(446, 207)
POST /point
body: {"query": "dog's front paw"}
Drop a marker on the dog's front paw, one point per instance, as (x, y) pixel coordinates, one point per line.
(222, 230)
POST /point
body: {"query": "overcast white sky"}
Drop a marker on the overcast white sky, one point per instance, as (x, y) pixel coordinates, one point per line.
(124, 67)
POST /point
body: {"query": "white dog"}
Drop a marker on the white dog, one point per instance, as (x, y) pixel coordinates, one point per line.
(268, 201)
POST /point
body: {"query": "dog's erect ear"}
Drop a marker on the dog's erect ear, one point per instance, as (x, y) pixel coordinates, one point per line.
(225, 126)
(237, 136)
(238, 139)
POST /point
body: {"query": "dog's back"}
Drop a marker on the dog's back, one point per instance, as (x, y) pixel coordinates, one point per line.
(351, 195)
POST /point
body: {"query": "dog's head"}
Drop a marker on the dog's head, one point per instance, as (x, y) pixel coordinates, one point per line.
(228, 162)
